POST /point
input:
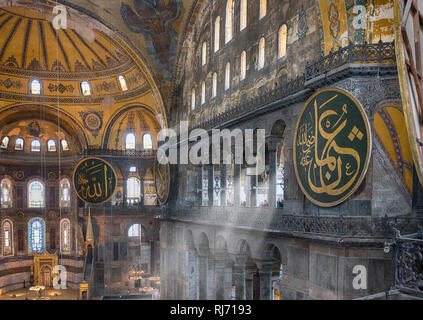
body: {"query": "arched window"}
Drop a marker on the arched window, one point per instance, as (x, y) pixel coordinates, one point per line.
(64, 193)
(85, 88)
(130, 141)
(65, 146)
(133, 186)
(203, 93)
(19, 144)
(36, 198)
(65, 236)
(262, 47)
(6, 193)
(193, 99)
(243, 15)
(263, 9)
(147, 141)
(216, 34)
(122, 83)
(214, 86)
(282, 35)
(134, 231)
(243, 65)
(35, 146)
(204, 54)
(4, 143)
(51, 146)
(229, 20)
(7, 229)
(36, 230)
(228, 76)
(36, 87)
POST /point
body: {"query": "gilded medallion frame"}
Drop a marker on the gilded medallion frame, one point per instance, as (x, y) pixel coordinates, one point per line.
(368, 151)
(73, 180)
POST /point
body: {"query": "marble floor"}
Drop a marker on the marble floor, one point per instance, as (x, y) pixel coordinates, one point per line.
(49, 294)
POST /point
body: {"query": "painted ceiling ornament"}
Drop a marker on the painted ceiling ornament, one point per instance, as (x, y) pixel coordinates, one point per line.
(302, 25)
(51, 214)
(20, 215)
(51, 175)
(34, 129)
(19, 174)
(332, 146)
(154, 19)
(93, 121)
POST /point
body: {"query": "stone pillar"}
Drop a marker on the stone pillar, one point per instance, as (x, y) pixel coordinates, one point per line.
(200, 185)
(239, 274)
(237, 185)
(220, 265)
(125, 188)
(249, 284)
(152, 257)
(265, 274)
(203, 261)
(253, 190)
(142, 191)
(211, 184)
(272, 178)
(223, 192)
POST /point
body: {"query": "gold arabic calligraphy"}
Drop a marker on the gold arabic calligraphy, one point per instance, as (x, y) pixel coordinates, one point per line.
(321, 166)
(94, 182)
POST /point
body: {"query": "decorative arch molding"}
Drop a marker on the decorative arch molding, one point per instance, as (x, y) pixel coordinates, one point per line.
(119, 113)
(21, 111)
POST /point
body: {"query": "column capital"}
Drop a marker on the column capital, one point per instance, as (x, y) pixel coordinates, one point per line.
(264, 266)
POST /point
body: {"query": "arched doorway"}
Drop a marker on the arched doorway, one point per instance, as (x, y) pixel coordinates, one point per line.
(46, 276)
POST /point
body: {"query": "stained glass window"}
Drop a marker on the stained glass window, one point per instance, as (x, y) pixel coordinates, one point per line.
(122, 82)
(262, 46)
(204, 54)
(147, 141)
(86, 88)
(4, 143)
(243, 65)
(283, 30)
(6, 192)
(243, 15)
(36, 228)
(7, 237)
(227, 76)
(19, 144)
(65, 146)
(229, 20)
(263, 8)
(64, 193)
(36, 194)
(51, 146)
(216, 34)
(133, 190)
(130, 141)
(214, 87)
(35, 87)
(35, 146)
(65, 235)
(203, 93)
(193, 99)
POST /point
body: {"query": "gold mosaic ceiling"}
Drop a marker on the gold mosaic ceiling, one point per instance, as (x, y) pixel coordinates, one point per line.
(28, 41)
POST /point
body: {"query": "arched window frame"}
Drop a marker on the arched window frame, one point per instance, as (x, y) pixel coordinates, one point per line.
(65, 145)
(5, 193)
(262, 53)
(122, 83)
(133, 190)
(263, 9)
(243, 67)
(51, 145)
(7, 238)
(65, 196)
(135, 231)
(229, 20)
(204, 54)
(217, 34)
(214, 85)
(32, 203)
(35, 87)
(5, 142)
(243, 15)
(86, 88)
(36, 234)
(228, 76)
(19, 144)
(282, 41)
(203, 92)
(65, 236)
(130, 141)
(149, 145)
(35, 145)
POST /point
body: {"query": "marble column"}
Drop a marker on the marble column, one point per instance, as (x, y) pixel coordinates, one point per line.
(223, 193)
(265, 274)
(239, 274)
(152, 257)
(200, 185)
(220, 265)
(125, 188)
(249, 284)
(211, 184)
(237, 185)
(142, 192)
(253, 190)
(203, 261)
(272, 178)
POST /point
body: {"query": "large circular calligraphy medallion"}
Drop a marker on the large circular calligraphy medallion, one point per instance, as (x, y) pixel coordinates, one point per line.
(94, 180)
(332, 145)
(162, 181)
